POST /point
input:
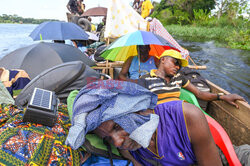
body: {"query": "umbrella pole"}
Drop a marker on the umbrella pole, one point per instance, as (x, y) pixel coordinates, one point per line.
(107, 42)
(138, 54)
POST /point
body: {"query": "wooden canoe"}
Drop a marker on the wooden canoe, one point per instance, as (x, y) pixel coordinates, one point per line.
(235, 121)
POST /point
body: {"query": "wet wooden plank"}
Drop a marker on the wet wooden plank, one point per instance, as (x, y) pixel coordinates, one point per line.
(235, 121)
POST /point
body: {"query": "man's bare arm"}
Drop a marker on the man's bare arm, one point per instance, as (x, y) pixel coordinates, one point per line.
(201, 138)
(207, 96)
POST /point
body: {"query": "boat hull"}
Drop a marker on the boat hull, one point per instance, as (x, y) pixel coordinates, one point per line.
(235, 121)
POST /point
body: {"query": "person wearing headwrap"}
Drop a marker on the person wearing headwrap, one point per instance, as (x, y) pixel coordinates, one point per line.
(113, 100)
(125, 114)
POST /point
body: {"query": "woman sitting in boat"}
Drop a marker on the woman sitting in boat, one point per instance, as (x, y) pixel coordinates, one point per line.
(166, 81)
(135, 66)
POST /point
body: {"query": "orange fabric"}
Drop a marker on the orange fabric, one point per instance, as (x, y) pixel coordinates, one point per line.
(165, 95)
(167, 100)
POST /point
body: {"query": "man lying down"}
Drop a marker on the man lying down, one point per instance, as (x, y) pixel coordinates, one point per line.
(126, 115)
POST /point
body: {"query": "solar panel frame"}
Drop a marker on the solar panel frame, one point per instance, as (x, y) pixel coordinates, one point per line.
(39, 112)
(34, 99)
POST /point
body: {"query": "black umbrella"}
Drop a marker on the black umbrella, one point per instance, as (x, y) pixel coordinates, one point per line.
(41, 56)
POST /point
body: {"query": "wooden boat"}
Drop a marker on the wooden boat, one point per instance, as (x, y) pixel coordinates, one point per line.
(235, 121)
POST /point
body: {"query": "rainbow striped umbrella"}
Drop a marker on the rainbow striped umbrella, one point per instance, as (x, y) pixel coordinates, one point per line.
(126, 45)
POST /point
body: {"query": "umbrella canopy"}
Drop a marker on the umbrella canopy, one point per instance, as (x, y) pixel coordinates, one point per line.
(126, 45)
(41, 56)
(96, 11)
(58, 30)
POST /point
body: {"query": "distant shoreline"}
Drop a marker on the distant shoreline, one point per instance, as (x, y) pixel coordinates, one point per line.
(15, 19)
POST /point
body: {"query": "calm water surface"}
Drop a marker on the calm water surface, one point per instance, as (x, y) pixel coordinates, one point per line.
(228, 68)
(14, 36)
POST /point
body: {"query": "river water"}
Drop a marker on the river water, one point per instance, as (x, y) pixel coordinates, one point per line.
(228, 68)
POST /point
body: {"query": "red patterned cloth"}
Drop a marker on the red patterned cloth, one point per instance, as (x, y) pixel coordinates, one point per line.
(157, 28)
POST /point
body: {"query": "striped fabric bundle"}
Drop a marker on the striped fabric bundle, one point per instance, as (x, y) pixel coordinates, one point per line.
(14, 80)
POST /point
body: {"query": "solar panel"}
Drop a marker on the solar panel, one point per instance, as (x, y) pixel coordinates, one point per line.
(42, 107)
(41, 98)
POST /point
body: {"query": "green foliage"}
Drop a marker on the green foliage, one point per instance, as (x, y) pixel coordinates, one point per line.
(207, 5)
(225, 36)
(182, 17)
(201, 17)
(168, 16)
(198, 32)
(229, 28)
(16, 19)
(231, 8)
(239, 39)
(182, 10)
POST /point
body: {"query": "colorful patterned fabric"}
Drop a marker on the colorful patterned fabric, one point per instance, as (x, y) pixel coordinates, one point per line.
(34, 144)
(157, 28)
(14, 80)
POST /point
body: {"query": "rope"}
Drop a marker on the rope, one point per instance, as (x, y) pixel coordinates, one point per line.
(196, 67)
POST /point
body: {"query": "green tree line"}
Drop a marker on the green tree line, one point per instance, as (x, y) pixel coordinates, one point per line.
(226, 21)
(4, 18)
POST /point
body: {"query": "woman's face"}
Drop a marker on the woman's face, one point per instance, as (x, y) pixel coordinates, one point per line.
(144, 52)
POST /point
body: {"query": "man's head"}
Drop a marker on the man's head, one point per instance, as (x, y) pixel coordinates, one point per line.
(59, 41)
(116, 135)
(171, 61)
(104, 19)
(90, 51)
(89, 18)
